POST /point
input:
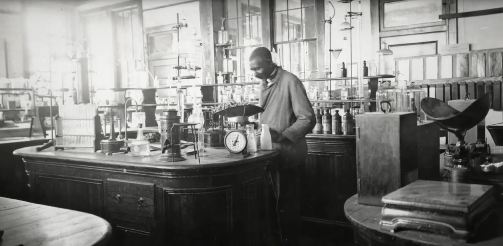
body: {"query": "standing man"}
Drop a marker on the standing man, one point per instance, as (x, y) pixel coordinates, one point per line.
(290, 117)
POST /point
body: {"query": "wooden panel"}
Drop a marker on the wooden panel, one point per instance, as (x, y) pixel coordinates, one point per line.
(427, 146)
(463, 90)
(481, 89)
(432, 67)
(439, 92)
(252, 219)
(198, 216)
(328, 180)
(497, 95)
(130, 204)
(417, 71)
(446, 67)
(461, 67)
(489, 89)
(447, 92)
(473, 65)
(454, 91)
(60, 191)
(481, 65)
(403, 66)
(471, 90)
(494, 66)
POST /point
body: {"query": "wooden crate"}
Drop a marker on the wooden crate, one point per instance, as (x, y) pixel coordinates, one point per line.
(386, 154)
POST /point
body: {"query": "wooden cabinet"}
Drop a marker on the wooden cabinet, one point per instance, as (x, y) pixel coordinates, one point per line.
(13, 178)
(222, 201)
(329, 179)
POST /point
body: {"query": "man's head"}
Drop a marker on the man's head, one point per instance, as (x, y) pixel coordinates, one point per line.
(261, 63)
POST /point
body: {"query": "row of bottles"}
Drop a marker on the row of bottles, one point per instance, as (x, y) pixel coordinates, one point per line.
(326, 123)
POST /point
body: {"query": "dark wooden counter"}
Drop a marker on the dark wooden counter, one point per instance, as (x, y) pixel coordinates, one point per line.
(25, 223)
(365, 220)
(222, 201)
(329, 178)
(12, 175)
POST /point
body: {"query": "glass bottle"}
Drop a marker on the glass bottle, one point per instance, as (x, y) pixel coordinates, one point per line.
(327, 122)
(347, 123)
(265, 138)
(251, 147)
(338, 123)
(344, 71)
(318, 127)
(365, 69)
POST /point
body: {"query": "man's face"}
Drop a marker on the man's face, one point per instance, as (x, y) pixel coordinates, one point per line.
(261, 67)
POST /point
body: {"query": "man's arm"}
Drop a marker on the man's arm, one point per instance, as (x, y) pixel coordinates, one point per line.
(303, 112)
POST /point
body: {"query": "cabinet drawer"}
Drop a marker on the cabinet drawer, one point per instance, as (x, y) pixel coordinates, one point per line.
(130, 204)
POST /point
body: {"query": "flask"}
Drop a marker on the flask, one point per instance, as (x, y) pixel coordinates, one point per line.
(318, 127)
(365, 69)
(251, 147)
(338, 123)
(344, 71)
(265, 138)
(327, 122)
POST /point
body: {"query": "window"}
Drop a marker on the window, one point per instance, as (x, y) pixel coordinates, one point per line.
(244, 25)
(296, 36)
(115, 44)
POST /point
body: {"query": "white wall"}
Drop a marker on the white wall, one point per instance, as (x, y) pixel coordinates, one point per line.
(482, 32)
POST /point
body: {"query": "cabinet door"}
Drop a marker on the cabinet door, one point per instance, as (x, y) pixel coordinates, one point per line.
(329, 179)
(201, 216)
(79, 194)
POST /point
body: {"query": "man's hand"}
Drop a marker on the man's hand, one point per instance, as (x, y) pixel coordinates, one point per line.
(277, 137)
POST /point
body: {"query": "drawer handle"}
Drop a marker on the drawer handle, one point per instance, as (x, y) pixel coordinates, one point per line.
(117, 197)
(141, 202)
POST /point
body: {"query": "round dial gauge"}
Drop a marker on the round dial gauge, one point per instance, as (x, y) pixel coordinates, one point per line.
(235, 141)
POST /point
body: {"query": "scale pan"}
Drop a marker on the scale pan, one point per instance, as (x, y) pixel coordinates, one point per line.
(451, 118)
(240, 110)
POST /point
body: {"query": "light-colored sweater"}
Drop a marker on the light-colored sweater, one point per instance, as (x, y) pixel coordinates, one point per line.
(287, 110)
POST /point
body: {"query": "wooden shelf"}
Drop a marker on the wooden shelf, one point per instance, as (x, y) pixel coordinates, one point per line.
(327, 79)
(382, 76)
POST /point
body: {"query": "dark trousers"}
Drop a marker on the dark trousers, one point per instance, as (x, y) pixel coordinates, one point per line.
(287, 192)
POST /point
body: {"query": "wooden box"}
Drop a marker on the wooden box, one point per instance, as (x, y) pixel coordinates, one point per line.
(454, 209)
(386, 154)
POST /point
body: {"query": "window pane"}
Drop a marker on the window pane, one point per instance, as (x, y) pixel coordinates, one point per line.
(309, 19)
(243, 26)
(243, 8)
(232, 28)
(284, 54)
(307, 3)
(255, 7)
(295, 22)
(231, 8)
(311, 61)
(293, 4)
(280, 5)
(296, 61)
(256, 29)
(281, 26)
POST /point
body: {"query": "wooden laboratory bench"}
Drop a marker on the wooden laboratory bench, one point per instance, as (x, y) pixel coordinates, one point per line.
(224, 200)
(365, 220)
(329, 178)
(12, 174)
(25, 223)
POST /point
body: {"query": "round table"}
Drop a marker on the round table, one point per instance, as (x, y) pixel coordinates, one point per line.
(25, 223)
(365, 221)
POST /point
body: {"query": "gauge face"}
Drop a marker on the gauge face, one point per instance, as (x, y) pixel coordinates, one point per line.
(235, 141)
